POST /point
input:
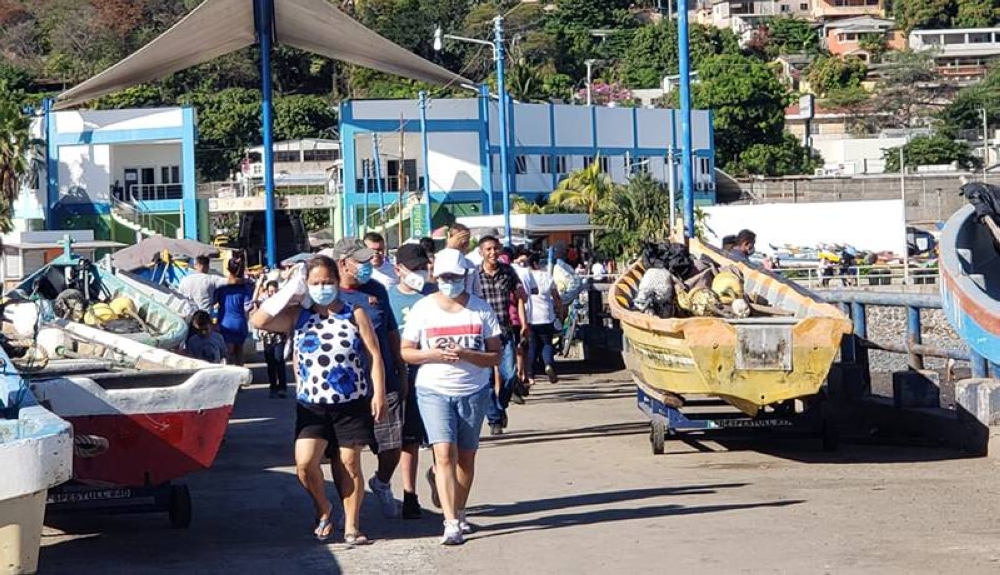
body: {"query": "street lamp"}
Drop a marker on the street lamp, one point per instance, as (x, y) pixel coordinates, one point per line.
(498, 56)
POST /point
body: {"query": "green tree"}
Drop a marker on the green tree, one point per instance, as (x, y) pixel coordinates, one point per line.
(15, 145)
(790, 35)
(632, 215)
(652, 51)
(911, 88)
(526, 84)
(303, 116)
(977, 14)
(875, 44)
(590, 14)
(828, 73)
(964, 110)
(931, 151)
(911, 14)
(583, 190)
(784, 158)
(748, 100)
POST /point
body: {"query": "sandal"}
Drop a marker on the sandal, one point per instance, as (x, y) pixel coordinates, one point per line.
(324, 530)
(357, 539)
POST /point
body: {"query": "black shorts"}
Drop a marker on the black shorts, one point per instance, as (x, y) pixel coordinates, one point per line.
(346, 425)
(413, 425)
(389, 431)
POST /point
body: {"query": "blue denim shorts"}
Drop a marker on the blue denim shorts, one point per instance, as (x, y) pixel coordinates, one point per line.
(450, 419)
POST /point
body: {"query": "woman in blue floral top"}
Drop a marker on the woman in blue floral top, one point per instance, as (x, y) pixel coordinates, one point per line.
(337, 398)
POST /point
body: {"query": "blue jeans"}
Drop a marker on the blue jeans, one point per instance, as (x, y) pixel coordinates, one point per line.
(541, 342)
(453, 419)
(508, 375)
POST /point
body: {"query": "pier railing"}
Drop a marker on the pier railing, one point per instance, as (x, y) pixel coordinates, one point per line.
(854, 349)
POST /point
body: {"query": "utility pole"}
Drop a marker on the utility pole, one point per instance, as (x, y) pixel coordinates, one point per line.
(986, 144)
(590, 94)
(400, 183)
(906, 233)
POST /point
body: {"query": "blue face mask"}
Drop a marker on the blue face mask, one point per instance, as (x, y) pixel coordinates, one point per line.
(452, 289)
(323, 294)
(364, 273)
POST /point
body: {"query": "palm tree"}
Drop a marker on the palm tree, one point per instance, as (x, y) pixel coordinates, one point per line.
(522, 205)
(632, 215)
(15, 145)
(584, 190)
(525, 84)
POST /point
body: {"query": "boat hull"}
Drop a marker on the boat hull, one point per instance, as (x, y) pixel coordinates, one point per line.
(967, 263)
(158, 425)
(747, 363)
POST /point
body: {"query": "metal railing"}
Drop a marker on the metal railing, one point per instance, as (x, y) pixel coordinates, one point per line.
(854, 348)
(148, 223)
(149, 192)
(860, 276)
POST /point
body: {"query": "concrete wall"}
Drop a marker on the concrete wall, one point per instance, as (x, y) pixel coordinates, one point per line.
(929, 197)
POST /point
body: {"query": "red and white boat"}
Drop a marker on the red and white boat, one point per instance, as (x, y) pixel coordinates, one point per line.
(141, 416)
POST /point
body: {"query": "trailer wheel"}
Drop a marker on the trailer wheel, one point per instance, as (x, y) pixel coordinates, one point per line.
(830, 436)
(180, 507)
(657, 436)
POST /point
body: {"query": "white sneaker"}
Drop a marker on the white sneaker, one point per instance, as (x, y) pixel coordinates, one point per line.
(463, 524)
(386, 501)
(452, 533)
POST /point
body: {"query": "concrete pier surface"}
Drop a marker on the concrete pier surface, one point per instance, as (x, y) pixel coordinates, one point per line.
(574, 488)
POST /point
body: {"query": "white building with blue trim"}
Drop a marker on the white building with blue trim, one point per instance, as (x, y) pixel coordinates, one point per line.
(143, 159)
(547, 142)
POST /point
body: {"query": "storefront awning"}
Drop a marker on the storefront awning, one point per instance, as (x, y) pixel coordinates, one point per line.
(218, 27)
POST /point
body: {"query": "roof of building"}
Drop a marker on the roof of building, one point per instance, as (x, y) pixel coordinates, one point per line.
(862, 24)
(797, 59)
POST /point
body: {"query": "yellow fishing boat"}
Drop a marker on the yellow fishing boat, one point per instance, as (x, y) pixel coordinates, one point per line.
(752, 364)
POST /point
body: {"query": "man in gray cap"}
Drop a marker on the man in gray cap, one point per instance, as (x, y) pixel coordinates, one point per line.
(356, 290)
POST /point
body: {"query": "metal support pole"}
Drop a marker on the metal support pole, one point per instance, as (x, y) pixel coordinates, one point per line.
(363, 228)
(986, 144)
(424, 151)
(980, 367)
(914, 336)
(590, 93)
(860, 320)
(686, 143)
(498, 54)
(378, 180)
(906, 234)
(265, 30)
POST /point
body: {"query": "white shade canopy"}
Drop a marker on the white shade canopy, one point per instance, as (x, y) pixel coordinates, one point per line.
(218, 27)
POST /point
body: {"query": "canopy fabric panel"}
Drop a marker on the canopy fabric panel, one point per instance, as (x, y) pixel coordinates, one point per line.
(317, 26)
(213, 29)
(218, 27)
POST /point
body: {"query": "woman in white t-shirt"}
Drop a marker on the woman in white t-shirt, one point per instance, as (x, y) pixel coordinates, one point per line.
(454, 337)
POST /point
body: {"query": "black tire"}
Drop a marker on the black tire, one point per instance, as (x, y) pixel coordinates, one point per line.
(657, 436)
(180, 507)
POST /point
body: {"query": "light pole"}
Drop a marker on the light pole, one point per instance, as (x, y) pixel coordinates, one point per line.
(498, 57)
(986, 144)
(906, 233)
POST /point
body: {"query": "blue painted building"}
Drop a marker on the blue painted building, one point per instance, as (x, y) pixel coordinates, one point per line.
(142, 160)
(548, 141)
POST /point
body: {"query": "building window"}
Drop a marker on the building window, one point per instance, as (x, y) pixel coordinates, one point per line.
(320, 155)
(546, 163)
(562, 163)
(606, 164)
(587, 160)
(786, 8)
(521, 165)
(804, 7)
(872, 2)
(641, 165)
(286, 156)
(170, 175)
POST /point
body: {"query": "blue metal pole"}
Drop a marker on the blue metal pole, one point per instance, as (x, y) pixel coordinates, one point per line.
(364, 213)
(498, 50)
(427, 171)
(484, 101)
(686, 145)
(51, 165)
(980, 367)
(265, 27)
(913, 335)
(378, 180)
(860, 320)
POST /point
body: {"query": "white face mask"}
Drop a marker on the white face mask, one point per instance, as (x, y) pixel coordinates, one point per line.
(452, 289)
(323, 294)
(416, 280)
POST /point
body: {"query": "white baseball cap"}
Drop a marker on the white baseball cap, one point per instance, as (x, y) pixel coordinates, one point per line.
(450, 261)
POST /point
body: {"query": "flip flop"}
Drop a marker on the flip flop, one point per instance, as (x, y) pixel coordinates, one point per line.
(323, 525)
(357, 539)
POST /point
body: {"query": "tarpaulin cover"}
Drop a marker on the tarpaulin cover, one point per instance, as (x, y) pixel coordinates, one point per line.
(218, 27)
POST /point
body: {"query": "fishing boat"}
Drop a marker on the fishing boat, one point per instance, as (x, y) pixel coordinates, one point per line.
(159, 325)
(156, 287)
(753, 364)
(152, 415)
(36, 451)
(970, 282)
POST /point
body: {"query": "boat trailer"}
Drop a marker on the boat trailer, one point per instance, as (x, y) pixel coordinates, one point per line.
(171, 498)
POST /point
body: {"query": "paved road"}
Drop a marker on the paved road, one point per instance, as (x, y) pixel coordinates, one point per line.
(574, 489)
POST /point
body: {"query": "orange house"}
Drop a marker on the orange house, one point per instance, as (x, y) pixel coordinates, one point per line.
(844, 37)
